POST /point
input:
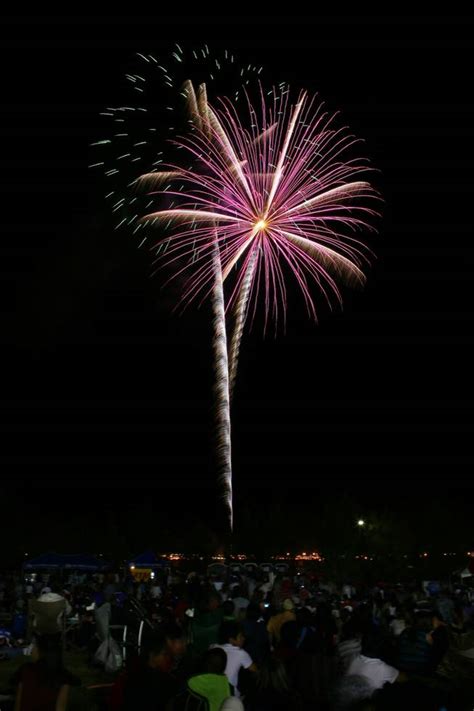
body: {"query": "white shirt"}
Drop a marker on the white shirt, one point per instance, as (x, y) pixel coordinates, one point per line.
(375, 671)
(237, 659)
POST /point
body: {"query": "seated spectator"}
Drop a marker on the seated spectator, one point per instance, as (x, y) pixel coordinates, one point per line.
(183, 661)
(438, 639)
(276, 622)
(255, 633)
(47, 614)
(349, 646)
(414, 647)
(240, 602)
(152, 685)
(228, 611)
(287, 647)
(375, 671)
(398, 623)
(175, 641)
(308, 641)
(231, 640)
(205, 625)
(212, 684)
(446, 606)
(458, 662)
(44, 684)
(308, 670)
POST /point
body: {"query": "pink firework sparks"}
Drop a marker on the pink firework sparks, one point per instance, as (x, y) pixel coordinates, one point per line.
(276, 192)
(275, 195)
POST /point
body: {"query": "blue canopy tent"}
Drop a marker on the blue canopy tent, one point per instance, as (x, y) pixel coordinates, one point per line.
(84, 561)
(46, 561)
(58, 561)
(148, 559)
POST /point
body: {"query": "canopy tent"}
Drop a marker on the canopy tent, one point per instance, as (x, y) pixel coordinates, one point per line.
(58, 561)
(148, 559)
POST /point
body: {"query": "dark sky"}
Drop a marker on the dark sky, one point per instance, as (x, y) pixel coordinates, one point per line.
(106, 392)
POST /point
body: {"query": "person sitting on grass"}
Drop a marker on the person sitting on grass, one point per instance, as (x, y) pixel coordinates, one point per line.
(206, 690)
(152, 686)
(44, 684)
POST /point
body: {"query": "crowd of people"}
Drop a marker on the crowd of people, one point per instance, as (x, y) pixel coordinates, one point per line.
(245, 640)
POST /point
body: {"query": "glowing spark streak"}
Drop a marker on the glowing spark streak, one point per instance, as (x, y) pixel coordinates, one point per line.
(281, 160)
(240, 314)
(223, 441)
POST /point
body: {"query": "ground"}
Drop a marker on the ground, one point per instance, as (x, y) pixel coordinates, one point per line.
(76, 662)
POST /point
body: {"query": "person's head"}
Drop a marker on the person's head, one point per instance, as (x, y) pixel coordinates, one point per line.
(214, 661)
(288, 605)
(423, 620)
(231, 633)
(175, 639)
(273, 676)
(437, 620)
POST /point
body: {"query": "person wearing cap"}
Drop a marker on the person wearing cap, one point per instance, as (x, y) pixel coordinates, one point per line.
(276, 622)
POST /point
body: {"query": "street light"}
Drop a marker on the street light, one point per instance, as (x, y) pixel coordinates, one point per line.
(361, 522)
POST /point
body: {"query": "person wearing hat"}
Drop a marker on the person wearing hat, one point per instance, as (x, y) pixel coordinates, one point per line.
(276, 622)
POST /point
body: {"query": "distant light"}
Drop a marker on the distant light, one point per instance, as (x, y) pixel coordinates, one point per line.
(361, 522)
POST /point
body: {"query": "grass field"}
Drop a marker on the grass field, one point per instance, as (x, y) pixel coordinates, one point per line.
(76, 662)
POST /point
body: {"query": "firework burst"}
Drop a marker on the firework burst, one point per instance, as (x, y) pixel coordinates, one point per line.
(257, 194)
(279, 191)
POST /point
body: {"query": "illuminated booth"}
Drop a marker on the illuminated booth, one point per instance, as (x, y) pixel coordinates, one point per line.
(144, 566)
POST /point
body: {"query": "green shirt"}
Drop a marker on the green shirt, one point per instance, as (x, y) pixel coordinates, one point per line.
(214, 687)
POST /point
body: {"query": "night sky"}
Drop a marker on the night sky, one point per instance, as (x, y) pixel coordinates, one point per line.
(106, 394)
